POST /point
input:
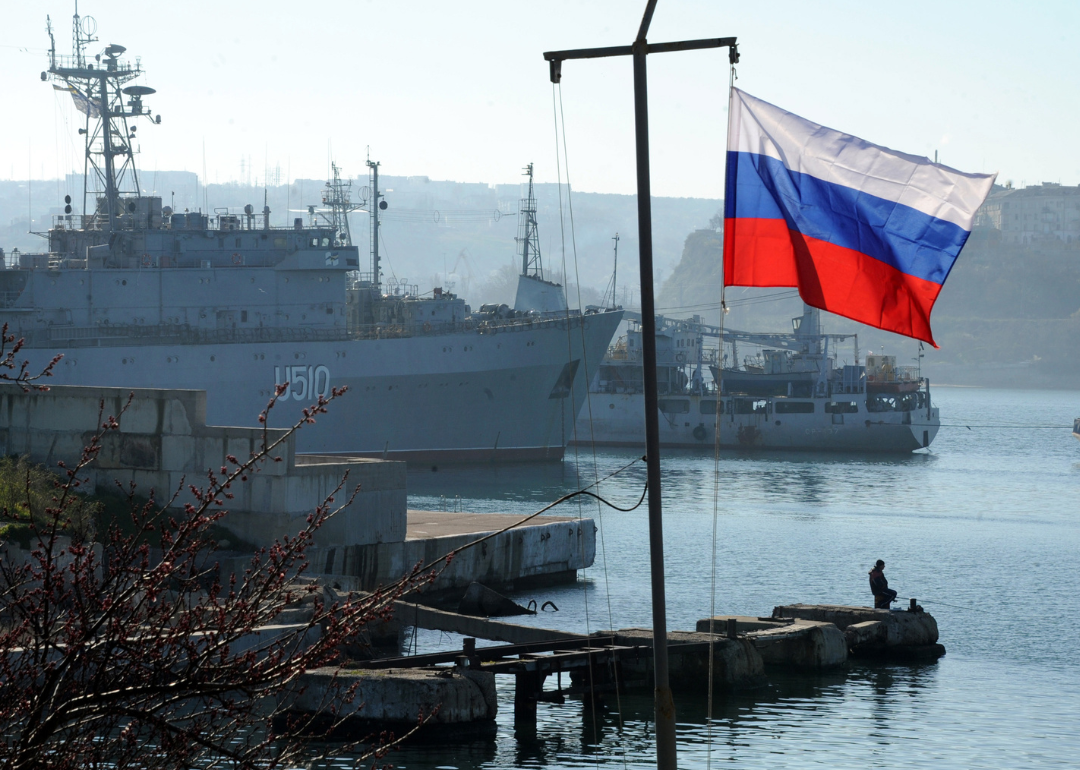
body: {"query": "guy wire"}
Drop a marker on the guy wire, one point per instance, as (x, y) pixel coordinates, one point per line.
(588, 392)
(569, 357)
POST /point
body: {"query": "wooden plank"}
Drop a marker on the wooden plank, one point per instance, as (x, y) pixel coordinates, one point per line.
(480, 628)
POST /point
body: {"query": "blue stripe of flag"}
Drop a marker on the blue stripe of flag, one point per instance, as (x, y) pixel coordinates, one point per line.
(915, 243)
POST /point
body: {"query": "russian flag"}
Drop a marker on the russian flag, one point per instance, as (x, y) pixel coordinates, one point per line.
(861, 230)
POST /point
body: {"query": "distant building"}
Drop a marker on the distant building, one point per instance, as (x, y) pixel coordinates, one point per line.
(1048, 211)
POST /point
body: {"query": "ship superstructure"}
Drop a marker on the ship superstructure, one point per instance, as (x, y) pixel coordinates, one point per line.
(788, 391)
(535, 294)
(135, 294)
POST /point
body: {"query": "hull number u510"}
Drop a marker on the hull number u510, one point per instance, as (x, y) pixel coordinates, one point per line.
(305, 382)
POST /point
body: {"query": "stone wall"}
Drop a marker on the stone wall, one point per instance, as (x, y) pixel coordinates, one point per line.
(164, 444)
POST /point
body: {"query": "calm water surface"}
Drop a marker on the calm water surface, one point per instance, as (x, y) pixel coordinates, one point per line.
(986, 522)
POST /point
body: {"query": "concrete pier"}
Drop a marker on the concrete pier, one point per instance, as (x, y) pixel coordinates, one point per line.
(394, 699)
(163, 444)
(898, 634)
(736, 662)
(548, 550)
(823, 636)
(804, 644)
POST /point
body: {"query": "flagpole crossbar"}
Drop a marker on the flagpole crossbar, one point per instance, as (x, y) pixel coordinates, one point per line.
(556, 58)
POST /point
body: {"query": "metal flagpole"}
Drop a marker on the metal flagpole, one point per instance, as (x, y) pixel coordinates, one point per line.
(664, 703)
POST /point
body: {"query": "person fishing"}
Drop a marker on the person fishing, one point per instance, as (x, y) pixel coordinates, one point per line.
(879, 586)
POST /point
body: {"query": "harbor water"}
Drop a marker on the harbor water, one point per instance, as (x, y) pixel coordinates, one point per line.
(983, 529)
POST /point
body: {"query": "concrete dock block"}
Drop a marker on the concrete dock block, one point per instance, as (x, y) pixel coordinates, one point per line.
(395, 698)
(743, 623)
(865, 633)
(736, 662)
(803, 644)
(807, 644)
(901, 634)
(545, 551)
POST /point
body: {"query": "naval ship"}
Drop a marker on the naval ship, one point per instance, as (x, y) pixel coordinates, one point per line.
(790, 394)
(134, 294)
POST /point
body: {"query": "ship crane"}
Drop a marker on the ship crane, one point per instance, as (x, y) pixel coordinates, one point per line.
(796, 341)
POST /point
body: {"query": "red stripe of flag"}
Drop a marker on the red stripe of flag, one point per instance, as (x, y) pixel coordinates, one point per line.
(765, 252)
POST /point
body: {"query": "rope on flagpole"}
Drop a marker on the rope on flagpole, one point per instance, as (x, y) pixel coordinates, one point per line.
(718, 423)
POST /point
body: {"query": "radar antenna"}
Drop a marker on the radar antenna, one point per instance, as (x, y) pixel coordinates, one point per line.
(97, 88)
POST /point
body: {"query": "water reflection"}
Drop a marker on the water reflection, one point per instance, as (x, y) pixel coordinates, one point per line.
(799, 478)
(980, 530)
(865, 702)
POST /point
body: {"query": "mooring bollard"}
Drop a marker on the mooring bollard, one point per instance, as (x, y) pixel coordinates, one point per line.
(468, 646)
(732, 628)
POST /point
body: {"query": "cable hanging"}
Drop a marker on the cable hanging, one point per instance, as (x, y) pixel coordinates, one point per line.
(718, 422)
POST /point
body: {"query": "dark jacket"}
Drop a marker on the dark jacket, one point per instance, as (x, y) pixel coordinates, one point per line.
(878, 584)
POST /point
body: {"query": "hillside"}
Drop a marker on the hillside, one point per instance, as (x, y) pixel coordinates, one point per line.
(1009, 314)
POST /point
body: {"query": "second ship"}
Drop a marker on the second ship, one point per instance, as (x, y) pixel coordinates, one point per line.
(793, 394)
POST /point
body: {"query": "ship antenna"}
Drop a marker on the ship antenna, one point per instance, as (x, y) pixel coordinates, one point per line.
(614, 273)
(375, 205)
(99, 93)
(338, 198)
(52, 40)
(528, 239)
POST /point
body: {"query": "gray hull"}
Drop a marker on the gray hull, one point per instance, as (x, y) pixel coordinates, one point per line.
(618, 419)
(466, 395)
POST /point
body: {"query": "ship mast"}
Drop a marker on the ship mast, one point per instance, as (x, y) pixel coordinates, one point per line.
(375, 205)
(614, 274)
(338, 197)
(528, 239)
(97, 87)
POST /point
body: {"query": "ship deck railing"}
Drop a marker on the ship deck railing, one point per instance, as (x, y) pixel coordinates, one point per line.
(104, 335)
(127, 223)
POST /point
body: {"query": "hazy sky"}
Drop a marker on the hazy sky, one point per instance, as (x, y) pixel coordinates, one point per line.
(459, 90)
